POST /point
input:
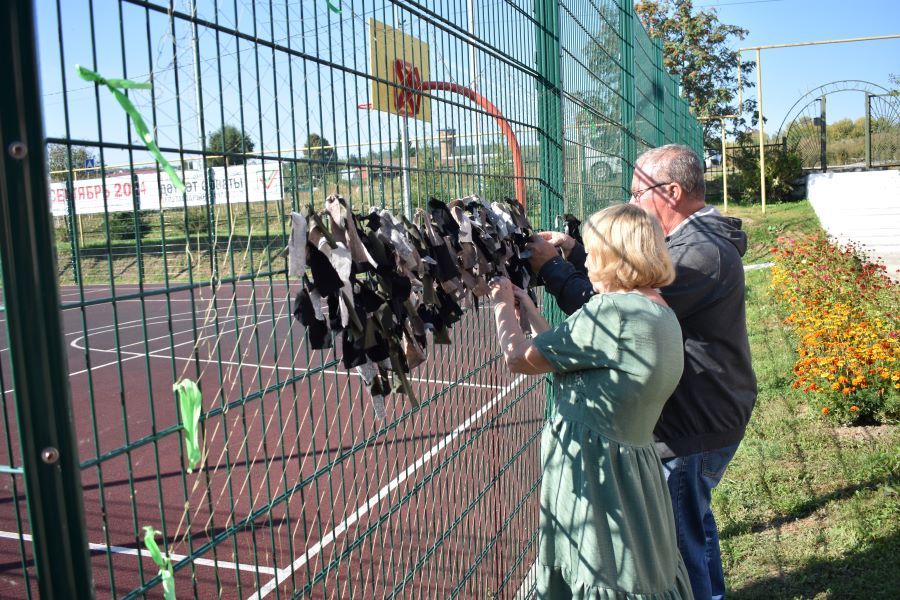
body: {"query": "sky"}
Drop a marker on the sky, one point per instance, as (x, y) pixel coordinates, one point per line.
(789, 73)
(265, 100)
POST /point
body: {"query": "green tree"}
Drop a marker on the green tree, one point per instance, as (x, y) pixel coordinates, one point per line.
(697, 48)
(321, 154)
(499, 182)
(227, 140)
(843, 129)
(58, 161)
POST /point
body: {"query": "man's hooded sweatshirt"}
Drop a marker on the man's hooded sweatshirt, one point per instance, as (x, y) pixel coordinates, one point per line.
(711, 406)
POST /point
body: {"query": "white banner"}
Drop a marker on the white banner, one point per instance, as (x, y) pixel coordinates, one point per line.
(253, 185)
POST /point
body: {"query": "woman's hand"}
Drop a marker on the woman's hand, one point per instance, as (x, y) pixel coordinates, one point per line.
(519, 352)
(523, 301)
(501, 290)
(527, 308)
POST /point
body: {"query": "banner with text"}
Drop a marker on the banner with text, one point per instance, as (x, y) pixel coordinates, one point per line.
(148, 191)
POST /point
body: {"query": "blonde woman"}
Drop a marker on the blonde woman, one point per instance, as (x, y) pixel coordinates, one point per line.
(606, 522)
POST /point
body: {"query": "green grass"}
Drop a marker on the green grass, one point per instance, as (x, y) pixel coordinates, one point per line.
(792, 218)
(805, 510)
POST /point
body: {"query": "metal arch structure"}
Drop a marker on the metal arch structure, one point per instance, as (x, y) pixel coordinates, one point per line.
(806, 136)
(842, 85)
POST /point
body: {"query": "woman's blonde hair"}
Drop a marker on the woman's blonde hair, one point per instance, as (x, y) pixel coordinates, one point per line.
(626, 249)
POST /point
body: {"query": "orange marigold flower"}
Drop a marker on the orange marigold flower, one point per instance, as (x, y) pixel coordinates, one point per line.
(846, 391)
(854, 408)
(825, 410)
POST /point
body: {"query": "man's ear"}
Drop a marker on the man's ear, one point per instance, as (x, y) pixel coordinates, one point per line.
(674, 194)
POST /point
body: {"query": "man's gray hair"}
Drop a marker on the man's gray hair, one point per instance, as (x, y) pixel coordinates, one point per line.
(676, 163)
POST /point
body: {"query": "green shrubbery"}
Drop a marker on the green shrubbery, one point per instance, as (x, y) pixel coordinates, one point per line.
(783, 170)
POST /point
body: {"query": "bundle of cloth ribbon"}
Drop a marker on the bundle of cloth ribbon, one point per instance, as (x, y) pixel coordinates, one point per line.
(381, 283)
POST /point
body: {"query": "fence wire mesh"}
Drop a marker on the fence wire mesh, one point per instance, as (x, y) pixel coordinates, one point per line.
(263, 108)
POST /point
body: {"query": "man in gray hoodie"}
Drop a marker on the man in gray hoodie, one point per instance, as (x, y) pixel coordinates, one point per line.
(703, 422)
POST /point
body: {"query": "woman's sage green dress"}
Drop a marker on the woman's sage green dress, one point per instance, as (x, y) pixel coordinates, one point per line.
(606, 522)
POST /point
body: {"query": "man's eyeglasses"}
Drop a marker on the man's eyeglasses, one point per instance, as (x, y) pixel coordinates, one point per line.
(635, 196)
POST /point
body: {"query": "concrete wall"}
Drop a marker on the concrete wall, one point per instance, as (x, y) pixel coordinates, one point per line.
(863, 207)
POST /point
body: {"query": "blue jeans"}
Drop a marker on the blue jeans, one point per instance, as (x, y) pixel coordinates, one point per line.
(691, 479)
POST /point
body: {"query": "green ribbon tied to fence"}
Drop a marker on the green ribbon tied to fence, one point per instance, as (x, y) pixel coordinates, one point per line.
(189, 404)
(140, 126)
(163, 562)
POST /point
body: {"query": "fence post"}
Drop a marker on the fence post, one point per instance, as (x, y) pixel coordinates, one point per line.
(823, 136)
(138, 223)
(75, 230)
(627, 18)
(39, 368)
(550, 133)
(868, 131)
(549, 110)
(659, 92)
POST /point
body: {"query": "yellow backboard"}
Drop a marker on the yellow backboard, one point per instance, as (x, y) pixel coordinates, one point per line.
(401, 60)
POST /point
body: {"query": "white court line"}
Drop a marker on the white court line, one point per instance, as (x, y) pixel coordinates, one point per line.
(133, 355)
(421, 380)
(175, 557)
(372, 502)
(529, 583)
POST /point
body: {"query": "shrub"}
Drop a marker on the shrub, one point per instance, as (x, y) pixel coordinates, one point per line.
(122, 225)
(844, 311)
(783, 169)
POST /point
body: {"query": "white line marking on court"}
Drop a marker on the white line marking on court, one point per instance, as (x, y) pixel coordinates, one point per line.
(152, 353)
(372, 502)
(175, 557)
(529, 583)
(421, 379)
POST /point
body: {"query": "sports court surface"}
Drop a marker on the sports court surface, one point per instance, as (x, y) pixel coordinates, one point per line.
(301, 491)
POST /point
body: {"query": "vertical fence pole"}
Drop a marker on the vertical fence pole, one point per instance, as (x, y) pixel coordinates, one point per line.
(823, 135)
(40, 372)
(724, 162)
(549, 110)
(762, 134)
(659, 94)
(868, 130)
(626, 79)
(550, 133)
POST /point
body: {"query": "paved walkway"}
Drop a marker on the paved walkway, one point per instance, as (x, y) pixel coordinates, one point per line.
(863, 207)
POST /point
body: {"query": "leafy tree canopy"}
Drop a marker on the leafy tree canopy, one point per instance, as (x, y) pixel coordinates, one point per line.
(319, 150)
(58, 161)
(697, 48)
(228, 140)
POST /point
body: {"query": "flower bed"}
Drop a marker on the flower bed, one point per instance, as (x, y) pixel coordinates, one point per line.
(844, 311)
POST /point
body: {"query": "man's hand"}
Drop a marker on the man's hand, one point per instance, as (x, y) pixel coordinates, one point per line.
(543, 248)
(562, 241)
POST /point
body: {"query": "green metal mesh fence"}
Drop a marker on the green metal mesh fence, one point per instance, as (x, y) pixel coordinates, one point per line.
(266, 107)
